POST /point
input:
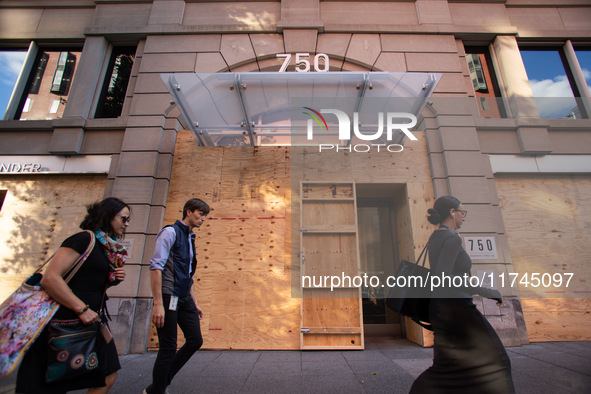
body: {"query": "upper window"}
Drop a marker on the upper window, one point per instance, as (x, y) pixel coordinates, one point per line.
(115, 87)
(552, 83)
(48, 86)
(36, 85)
(486, 88)
(11, 63)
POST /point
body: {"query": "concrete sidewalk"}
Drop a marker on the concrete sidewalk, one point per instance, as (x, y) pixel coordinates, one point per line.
(386, 366)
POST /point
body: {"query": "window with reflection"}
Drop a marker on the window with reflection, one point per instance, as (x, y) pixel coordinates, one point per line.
(11, 63)
(486, 88)
(551, 82)
(48, 87)
(115, 87)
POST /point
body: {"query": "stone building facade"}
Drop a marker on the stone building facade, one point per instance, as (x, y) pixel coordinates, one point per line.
(523, 177)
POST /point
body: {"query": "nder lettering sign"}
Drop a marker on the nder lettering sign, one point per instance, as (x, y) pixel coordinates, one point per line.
(18, 167)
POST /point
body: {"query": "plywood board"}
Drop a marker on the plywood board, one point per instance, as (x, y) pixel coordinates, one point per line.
(41, 211)
(409, 168)
(332, 342)
(557, 319)
(420, 199)
(413, 233)
(418, 334)
(253, 229)
(547, 224)
(331, 319)
(246, 310)
(340, 191)
(328, 214)
(249, 244)
(330, 309)
(243, 278)
(329, 315)
(410, 165)
(270, 321)
(324, 166)
(330, 254)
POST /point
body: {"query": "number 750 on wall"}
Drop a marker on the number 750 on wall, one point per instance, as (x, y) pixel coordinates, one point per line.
(302, 64)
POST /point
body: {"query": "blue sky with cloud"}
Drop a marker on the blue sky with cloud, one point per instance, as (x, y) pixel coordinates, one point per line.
(547, 78)
(10, 67)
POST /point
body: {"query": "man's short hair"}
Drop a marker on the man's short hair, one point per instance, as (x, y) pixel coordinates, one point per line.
(195, 204)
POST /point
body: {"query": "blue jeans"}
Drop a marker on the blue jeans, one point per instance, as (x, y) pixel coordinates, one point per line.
(169, 361)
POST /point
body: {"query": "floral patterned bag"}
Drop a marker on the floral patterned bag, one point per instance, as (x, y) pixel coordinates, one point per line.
(26, 312)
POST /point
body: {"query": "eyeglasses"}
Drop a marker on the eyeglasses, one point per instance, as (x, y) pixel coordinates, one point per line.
(125, 219)
(464, 213)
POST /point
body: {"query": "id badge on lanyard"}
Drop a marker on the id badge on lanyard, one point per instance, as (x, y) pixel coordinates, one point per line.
(174, 300)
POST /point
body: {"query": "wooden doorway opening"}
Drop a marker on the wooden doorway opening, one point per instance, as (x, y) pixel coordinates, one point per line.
(378, 251)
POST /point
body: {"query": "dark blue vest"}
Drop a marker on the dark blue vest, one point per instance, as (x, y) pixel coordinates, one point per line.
(180, 254)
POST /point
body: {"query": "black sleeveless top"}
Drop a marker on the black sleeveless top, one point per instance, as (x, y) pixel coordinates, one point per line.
(90, 281)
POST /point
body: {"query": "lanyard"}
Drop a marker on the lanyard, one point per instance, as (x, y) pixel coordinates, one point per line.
(444, 226)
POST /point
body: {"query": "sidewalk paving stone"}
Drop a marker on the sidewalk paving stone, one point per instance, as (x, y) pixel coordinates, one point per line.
(386, 366)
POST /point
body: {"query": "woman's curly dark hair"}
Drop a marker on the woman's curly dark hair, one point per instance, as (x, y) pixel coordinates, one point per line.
(100, 214)
(441, 208)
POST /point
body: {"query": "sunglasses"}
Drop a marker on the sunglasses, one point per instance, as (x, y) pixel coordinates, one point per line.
(125, 219)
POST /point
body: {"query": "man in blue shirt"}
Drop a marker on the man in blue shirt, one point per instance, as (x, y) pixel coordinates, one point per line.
(171, 274)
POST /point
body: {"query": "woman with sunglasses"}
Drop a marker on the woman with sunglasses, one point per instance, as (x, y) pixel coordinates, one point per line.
(83, 297)
(468, 356)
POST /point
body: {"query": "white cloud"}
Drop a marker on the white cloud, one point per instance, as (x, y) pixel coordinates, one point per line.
(557, 87)
(10, 66)
(554, 97)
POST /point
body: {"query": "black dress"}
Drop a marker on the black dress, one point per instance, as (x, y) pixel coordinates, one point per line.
(88, 284)
(468, 356)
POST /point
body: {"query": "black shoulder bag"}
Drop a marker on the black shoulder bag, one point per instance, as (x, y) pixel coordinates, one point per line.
(411, 294)
(72, 346)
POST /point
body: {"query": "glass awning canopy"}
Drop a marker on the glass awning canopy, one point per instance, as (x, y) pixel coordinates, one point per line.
(282, 108)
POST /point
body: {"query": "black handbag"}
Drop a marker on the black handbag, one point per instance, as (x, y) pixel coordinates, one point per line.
(411, 295)
(72, 349)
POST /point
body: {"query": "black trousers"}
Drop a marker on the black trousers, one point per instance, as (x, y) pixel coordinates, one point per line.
(169, 361)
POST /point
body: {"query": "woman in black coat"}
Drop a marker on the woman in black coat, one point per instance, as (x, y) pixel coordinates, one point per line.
(468, 356)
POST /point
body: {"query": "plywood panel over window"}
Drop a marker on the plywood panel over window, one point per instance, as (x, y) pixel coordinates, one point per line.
(547, 222)
(38, 213)
(243, 278)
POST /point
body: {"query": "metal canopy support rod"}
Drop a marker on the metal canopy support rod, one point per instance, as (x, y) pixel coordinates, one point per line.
(247, 124)
(175, 90)
(362, 87)
(428, 88)
(424, 97)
